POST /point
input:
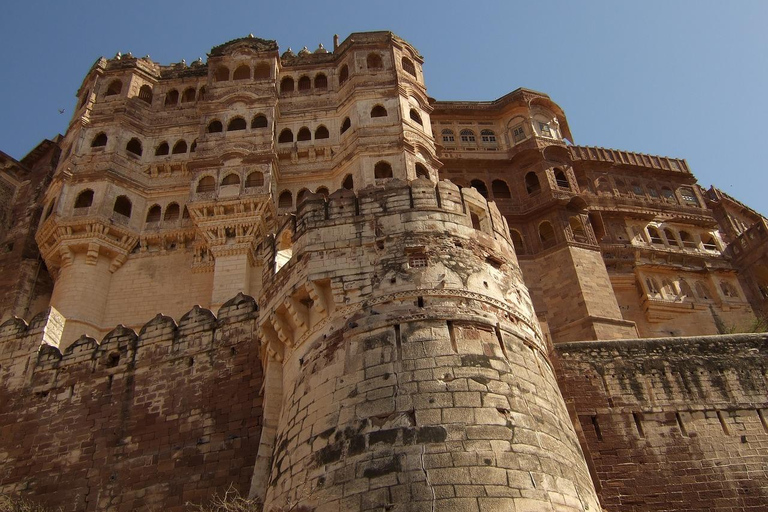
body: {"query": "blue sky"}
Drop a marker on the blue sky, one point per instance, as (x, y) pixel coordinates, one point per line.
(687, 79)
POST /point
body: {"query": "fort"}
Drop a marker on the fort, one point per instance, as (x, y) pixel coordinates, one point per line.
(299, 276)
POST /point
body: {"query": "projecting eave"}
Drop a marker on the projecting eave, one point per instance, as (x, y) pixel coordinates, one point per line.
(519, 97)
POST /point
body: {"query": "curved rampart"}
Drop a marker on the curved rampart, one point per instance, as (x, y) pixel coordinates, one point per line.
(412, 373)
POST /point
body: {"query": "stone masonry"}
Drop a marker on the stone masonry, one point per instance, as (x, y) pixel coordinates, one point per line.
(298, 276)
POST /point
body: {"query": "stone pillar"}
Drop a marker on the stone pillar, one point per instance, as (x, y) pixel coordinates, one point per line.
(231, 275)
(80, 293)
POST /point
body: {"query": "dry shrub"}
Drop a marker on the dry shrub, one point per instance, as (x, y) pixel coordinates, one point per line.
(230, 501)
(18, 504)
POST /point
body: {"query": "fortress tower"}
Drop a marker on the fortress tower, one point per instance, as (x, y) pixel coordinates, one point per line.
(299, 275)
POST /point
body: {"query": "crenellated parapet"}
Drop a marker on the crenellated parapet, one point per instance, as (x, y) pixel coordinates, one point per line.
(31, 353)
(383, 233)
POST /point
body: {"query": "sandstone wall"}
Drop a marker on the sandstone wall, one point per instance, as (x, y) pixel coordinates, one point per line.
(414, 374)
(672, 424)
(137, 422)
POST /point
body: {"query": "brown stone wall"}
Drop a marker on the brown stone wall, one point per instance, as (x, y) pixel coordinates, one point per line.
(573, 287)
(145, 422)
(25, 285)
(672, 424)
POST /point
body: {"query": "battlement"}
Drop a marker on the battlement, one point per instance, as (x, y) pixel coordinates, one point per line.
(398, 197)
(36, 345)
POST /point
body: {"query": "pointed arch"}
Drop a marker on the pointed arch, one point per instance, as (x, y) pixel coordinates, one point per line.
(243, 72)
(145, 94)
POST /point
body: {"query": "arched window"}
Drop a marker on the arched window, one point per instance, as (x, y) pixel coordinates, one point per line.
(259, 121)
(243, 72)
(670, 236)
(189, 95)
(322, 132)
(652, 191)
(603, 186)
(99, 141)
(708, 243)
(343, 74)
(378, 111)
(222, 74)
(448, 136)
(488, 137)
(668, 195)
(134, 146)
(703, 291)
(373, 61)
(687, 240)
(685, 289)
(115, 87)
(655, 236)
(84, 199)
(231, 179)
(171, 212)
(180, 147)
(305, 84)
(237, 124)
(637, 189)
(206, 184)
(321, 81)
(621, 187)
(415, 117)
(304, 134)
(517, 241)
(285, 136)
(215, 127)
(500, 189)
(577, 229)
(467, 136)
(728, 289)
(262, 71)
(145, 94)
(479, 185)
(345, 125)
(301, 196)
(689, 196)
(382, 170)
(348, 183)
(193, 146)
(561, 179)
(547, 234)
(255, 179)
(421, 171)
(123, 206)
(201, 93)
(532, 185)
(162, 149)
(322, 191)
(285, 200)
(408, 66)
(154, 214)
(652, 285)
(171, 98)
(185, 213)
(286, 85)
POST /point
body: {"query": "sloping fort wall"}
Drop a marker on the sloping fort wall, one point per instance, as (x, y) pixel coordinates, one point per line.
(136, 422)
(672, 423)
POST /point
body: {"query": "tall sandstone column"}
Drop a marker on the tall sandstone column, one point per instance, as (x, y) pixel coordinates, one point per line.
(414, 375)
